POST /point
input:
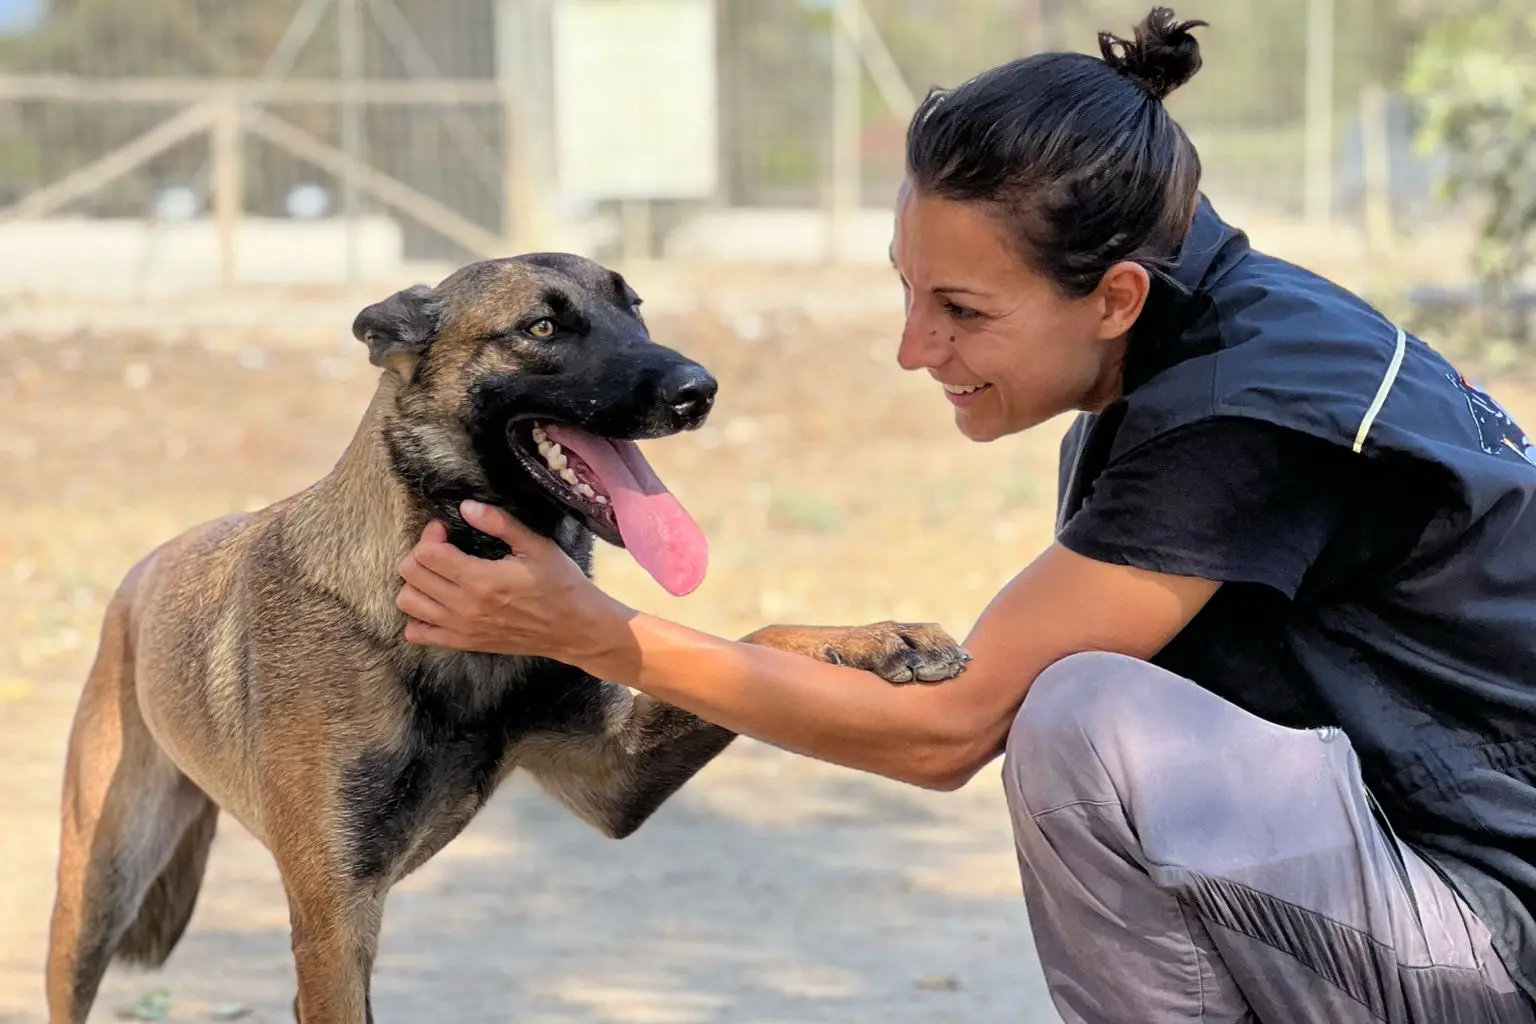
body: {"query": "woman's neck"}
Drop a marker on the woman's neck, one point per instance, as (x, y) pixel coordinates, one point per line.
(1110, 384)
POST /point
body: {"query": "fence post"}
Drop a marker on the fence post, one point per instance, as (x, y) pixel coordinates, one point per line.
(349, 42)
(228, 184)
(845, 194)
(524, 37)
(1032, 38)
(1376, 193)
(1319, 111)
(1377, 168)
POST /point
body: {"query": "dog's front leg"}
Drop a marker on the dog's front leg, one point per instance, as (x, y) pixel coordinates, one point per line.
(898, 652)
(622, 759)
(335, 922)
(628, 753)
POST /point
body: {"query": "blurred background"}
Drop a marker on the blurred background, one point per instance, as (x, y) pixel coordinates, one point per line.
(196, 197)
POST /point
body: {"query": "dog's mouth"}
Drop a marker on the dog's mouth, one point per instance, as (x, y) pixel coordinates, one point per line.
(611, 486)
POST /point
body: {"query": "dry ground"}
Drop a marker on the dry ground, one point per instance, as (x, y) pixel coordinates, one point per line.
(773, 889)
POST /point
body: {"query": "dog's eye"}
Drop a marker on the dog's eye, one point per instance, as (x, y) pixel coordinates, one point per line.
(542, 328)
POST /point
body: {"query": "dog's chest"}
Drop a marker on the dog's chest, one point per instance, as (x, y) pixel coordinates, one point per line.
(405, 802)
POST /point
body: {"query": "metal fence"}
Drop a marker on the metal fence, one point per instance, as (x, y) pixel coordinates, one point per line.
(431, 118)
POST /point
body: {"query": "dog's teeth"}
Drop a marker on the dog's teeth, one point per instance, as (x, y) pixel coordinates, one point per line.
(601, 499)
(544, 448)
(556, 458)
(539, 435)
(586, 491)
(569, 476)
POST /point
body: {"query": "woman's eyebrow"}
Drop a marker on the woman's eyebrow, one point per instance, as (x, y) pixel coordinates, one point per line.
(959, 289)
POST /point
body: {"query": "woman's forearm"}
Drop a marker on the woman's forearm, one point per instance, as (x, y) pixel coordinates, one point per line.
(935, 735)
(537, 601)
(913, 733)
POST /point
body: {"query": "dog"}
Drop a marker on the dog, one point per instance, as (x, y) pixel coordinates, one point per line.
(256, 663)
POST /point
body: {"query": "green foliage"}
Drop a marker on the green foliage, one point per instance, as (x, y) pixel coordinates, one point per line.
(1477, 82)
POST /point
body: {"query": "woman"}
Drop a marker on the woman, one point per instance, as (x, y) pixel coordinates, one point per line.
(1295, 574)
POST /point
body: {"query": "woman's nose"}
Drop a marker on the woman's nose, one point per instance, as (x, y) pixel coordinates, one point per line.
(921, 346)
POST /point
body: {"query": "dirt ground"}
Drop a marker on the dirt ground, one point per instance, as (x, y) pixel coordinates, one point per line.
(771, 890)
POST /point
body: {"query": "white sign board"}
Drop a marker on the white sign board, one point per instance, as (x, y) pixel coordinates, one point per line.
(636, 108)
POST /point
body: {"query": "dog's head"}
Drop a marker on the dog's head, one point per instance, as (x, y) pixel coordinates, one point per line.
(524, 383)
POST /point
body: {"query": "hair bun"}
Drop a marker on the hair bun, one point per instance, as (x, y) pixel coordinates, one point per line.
(1162, 57)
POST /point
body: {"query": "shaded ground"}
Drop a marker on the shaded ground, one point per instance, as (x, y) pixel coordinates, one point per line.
(771, 890)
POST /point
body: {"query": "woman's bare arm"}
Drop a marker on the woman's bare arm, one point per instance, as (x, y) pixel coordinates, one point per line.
(937, 736)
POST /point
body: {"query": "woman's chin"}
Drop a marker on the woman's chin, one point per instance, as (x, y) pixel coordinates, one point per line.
(986, 425)
(979, 428)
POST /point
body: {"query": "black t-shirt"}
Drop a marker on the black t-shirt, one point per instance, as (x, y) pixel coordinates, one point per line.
(1283, 520)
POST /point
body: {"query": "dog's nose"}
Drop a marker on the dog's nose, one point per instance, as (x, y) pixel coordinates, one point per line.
(690, 393)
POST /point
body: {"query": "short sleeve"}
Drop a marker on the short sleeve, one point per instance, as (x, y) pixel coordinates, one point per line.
(1229, 500)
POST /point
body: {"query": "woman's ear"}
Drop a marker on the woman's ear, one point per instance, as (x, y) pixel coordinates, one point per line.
(1122, 292)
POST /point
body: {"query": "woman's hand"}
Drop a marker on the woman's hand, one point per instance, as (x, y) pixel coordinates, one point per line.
(535, 601)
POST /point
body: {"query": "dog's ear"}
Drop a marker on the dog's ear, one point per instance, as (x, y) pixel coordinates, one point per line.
(402, 325)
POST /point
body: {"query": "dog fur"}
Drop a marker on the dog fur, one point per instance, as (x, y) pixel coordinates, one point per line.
(256, 664)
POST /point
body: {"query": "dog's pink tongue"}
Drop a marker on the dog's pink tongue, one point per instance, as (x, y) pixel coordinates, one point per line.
(657, 530)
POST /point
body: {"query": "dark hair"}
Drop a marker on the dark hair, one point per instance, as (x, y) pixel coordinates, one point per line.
(1076, 153)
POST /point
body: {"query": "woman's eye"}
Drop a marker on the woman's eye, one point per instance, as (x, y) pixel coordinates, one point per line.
(957, 311)
(542, 329)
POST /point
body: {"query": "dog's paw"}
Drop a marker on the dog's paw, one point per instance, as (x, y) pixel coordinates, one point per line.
(900, 652)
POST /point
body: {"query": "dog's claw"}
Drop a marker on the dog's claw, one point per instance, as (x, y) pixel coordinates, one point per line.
(901, 652)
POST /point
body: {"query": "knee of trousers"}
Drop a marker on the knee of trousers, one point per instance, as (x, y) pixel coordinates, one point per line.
(1080, 708)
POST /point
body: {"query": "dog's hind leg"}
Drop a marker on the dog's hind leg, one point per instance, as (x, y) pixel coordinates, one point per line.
(133, 842)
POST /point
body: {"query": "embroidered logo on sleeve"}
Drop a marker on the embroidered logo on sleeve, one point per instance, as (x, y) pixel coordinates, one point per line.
(1497, 431)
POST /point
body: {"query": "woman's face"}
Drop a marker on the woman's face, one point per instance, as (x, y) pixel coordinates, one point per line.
(1010, 349)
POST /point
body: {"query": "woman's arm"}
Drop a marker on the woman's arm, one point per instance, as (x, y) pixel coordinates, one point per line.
(537, 601)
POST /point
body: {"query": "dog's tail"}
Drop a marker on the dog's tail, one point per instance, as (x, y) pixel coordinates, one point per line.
(134, 831)
(168, 905)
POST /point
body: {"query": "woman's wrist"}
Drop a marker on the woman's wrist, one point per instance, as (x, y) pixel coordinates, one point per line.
(607, 647)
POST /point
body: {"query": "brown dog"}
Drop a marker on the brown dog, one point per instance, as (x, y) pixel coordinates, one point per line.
(256, 663)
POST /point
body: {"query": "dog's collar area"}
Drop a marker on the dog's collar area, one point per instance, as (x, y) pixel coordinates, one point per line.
(564, 529)
(472, 542)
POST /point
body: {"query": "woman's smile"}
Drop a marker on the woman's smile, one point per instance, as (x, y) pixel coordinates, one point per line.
(964, 394)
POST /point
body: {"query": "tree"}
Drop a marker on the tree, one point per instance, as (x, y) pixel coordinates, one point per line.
(1474, 75)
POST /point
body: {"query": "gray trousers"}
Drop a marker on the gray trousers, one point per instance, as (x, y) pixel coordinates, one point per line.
(1184, 860)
